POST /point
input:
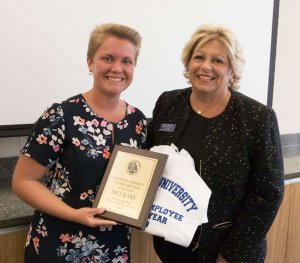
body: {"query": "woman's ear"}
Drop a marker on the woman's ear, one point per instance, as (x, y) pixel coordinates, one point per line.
(89, 64)
(187, 66)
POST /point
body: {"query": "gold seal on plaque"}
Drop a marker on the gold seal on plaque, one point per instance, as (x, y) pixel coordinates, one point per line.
(133, 167)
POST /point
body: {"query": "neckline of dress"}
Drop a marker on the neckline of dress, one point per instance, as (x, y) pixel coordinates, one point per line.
(100, 117)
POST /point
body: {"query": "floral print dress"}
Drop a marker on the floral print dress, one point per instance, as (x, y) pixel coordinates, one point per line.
(76, 144)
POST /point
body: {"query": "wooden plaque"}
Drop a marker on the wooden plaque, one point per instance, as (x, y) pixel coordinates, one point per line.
(129, 185)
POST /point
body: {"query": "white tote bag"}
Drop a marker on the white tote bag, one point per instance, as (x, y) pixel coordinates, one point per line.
(181, 202)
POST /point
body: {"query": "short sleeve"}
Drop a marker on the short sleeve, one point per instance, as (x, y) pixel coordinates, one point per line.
(46, 140)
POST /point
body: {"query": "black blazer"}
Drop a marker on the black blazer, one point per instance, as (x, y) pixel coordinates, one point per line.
(242, 165)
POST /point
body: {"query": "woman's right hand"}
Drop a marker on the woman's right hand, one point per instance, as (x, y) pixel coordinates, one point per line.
(27, 185)
(88, 216)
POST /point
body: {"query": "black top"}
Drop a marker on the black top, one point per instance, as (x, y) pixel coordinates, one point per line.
(193, 136)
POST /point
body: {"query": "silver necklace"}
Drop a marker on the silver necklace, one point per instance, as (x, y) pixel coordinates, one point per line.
(200, 112)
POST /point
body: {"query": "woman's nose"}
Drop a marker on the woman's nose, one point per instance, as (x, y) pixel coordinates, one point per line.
(116, 66)
(206, 64)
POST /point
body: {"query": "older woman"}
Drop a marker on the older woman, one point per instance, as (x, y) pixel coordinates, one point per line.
(70, 146)
(234, 141)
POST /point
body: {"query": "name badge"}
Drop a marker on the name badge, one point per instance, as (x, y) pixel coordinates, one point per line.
(167, 127)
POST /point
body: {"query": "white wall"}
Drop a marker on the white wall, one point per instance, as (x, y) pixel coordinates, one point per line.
(44, 42)
(287, 77)
(286, 94)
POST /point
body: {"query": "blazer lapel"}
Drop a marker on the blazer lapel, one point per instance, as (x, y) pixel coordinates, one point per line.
(181, 120)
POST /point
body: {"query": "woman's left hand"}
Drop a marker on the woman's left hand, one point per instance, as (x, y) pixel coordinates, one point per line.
(220, 259)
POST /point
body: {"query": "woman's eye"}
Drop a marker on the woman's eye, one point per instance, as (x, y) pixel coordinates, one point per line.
(128, 61)
(199, 57)
(107, 59)
(218, 61)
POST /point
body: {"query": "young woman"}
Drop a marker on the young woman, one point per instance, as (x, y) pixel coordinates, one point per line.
(69, 148)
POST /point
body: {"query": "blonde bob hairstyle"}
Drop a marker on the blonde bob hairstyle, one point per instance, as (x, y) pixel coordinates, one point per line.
(206, 33)
(102, 31)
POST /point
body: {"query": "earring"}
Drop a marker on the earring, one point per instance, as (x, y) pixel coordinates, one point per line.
(90, 73)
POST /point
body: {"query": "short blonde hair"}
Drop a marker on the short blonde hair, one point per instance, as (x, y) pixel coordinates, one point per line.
(205, 33)
(111, 29)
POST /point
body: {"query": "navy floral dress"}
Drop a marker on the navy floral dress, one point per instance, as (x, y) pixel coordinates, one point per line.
(76, 144)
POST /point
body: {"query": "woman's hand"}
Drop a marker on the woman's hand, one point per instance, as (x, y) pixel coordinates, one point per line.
(27, 185)
(220, 259)
(88, 216)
